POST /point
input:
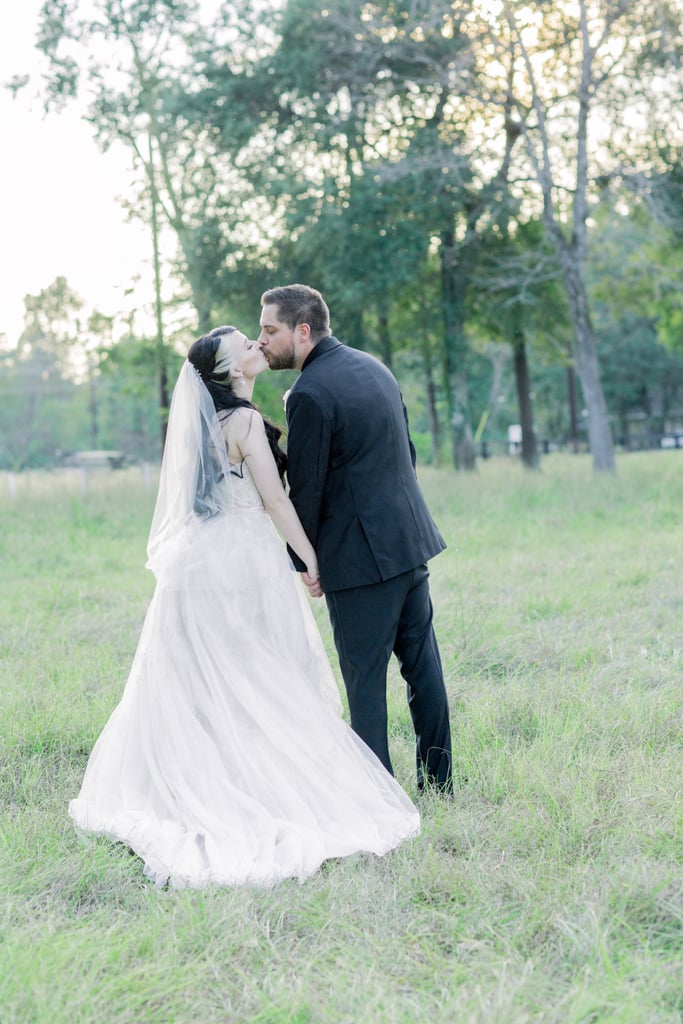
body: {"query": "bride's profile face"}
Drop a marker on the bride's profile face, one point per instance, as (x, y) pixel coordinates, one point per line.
(246, 355)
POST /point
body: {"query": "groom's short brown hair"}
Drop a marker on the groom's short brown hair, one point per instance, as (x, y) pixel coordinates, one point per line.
(299, 304)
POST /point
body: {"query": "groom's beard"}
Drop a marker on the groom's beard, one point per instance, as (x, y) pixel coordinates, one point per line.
(283, 361)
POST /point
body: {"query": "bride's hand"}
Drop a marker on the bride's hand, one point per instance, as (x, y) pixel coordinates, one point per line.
(312, 581)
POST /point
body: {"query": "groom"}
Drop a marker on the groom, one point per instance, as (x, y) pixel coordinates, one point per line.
(351, 470)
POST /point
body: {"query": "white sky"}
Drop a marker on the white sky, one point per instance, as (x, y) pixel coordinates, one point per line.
(59, 213)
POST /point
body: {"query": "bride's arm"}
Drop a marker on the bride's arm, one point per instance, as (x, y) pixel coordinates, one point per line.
(248, 434)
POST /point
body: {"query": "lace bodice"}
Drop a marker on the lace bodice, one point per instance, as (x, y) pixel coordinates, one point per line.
(243, 489)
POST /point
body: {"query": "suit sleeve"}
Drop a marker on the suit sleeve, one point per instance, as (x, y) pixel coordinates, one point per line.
(308, 452)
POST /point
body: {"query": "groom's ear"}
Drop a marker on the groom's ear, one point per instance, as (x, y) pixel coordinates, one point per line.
(303, 332)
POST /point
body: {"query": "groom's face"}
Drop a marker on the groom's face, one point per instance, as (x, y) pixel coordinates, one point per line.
(277, 340)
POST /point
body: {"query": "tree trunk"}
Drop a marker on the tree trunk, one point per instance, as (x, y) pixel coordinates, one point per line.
(385, 338)
(202, 302)
(353, 326)
(530, 456)
(430, 387)
(599, 433)
(430, 390)
(571, 399)
(573, 257)
(92, 407)
(453, 288)
(624, 429)
(203, 307)
(434, 425)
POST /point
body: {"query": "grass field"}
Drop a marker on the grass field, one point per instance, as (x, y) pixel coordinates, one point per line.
(550, 890)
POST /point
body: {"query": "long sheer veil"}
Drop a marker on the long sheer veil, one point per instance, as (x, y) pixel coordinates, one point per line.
(194, 464)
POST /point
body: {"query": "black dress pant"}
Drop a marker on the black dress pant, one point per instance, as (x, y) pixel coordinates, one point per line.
(369, 624)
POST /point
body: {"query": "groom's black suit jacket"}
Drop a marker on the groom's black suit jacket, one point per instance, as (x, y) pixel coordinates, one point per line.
(351, 470)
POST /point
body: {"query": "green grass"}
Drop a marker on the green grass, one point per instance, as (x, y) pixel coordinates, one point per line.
(550, 890)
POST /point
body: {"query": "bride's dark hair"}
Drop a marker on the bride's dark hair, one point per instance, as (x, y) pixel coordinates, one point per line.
(202, 355)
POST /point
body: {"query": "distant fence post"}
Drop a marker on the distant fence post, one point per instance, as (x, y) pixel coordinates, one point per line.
(84, 480)
(147, 475)
(12, 484)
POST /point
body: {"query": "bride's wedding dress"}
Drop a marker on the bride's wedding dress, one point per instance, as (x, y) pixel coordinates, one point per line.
(227, 760)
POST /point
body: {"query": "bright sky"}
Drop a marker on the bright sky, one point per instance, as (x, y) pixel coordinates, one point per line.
(59, 213)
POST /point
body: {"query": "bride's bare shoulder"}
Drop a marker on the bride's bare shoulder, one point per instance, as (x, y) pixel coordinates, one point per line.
(240, 423)
(244, 419)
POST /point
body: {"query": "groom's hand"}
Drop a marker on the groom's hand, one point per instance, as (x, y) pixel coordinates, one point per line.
(312, 584)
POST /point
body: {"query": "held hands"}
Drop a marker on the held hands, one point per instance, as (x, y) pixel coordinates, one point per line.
(312, 584)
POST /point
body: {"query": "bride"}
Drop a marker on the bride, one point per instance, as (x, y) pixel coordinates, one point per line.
(227, 760)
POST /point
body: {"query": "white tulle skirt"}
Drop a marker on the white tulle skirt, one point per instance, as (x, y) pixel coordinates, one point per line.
(227, 760)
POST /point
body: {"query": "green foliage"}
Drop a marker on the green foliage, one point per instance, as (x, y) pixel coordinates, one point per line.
(634, 275)
(550, 889)
(643, 379)
(386, 153)
(38, 408)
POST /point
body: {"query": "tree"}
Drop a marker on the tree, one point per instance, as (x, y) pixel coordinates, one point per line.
(133, 60)
(643, 379)
(519, 299)
(634, 279)
(355, 102)
(570, 64)
(40, 374)
(128, 385)
(662, 196)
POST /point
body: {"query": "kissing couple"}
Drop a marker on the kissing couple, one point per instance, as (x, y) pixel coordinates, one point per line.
(227, 760)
